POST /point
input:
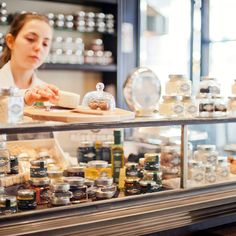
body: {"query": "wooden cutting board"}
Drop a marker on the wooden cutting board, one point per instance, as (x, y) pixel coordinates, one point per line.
(63, 115)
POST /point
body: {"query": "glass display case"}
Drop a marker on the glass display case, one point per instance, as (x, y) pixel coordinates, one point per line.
(180, 204)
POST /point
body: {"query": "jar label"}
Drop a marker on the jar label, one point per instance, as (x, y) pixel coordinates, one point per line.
(198, 177)
(184, 87)
(191, 109)
(38, 172)
(211, 178)
(211, 159)
(178, 109)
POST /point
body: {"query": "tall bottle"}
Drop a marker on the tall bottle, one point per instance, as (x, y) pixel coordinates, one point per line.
(4, 156)
(117, 156)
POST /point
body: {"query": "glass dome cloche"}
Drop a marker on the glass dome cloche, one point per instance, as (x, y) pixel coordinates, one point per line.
(142, 91)
(99, 100)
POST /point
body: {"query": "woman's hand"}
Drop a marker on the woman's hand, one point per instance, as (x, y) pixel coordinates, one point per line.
(47, 92)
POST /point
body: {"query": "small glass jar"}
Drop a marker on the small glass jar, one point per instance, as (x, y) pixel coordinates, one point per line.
(41, 186)
(170, 156)
(55, 175)
(132, 170)
(78, 189)
(86, 152)
(196, 173)
(231, 106)
(38, 168)
(178, 85)
(132, 186)
(222, 169)
(106, 151)
(210, 174)
(147, 186)
(14, 165)
(207, 154)
(106, 192)
(206, 105)
(209, 85)
(190, 106)
(104, 180)
(96, 168)
(26, 199)
(11, 105)
(8, 204)
(4, 156)
(152, 161)
(60, 194)
(220, 106)
(171, 106)
(76, 171)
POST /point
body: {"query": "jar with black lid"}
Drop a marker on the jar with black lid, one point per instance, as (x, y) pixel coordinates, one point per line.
(26, 199)
(147, 186)
(86, 152)
(152, 161)
(8, 204)
(75, 171)
(60, 194)
(38, 168)
(132, 186)
(132, 169)
(14, 165)
(78, 189)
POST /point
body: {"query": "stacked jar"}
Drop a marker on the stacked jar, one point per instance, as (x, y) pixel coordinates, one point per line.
(173, 104)
(152, 176)
(39, 180)
(170, 161)
(105, 187)
(232, 101)
(132, 186)
(211, 104)
(60, 194)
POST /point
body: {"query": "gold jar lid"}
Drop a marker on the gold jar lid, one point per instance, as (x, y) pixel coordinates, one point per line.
(98, 164)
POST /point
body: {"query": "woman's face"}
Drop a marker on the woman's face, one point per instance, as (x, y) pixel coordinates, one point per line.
(31, 46)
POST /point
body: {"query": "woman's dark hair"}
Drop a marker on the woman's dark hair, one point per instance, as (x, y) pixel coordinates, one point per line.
(17, 23)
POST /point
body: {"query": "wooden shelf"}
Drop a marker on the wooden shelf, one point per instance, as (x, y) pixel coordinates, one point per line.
(82, 67)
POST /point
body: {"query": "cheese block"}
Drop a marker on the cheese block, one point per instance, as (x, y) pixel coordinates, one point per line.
(67, 99)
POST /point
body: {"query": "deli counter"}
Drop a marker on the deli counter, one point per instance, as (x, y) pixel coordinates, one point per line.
(182, 207)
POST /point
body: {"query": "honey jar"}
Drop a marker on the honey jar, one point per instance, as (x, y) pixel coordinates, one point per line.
(26, 199)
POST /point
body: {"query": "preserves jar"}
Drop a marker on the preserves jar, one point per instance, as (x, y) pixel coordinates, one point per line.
(178, 85)
(78, 189)
(26, 199)
(222, 169)
(206, 105)
(8, 204)
(131, 169)
(209, 85)
(60, 194)
(94, 169)
(104, 180)
(171, 106)
(132, 186)
(11, 105)
(55, 175)
(152, 161)
(38, 168)
(207, 154)
(105, 192)
(86, 152)
(148, 186)
(4, 156)
(190, 106)
(220, 106)
(210, 174)
(41, 186)
(14, 165)
(196, 173)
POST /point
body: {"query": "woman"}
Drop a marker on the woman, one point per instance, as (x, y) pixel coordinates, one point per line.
(27, 46)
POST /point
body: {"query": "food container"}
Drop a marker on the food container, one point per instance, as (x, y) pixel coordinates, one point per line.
(26, 199)
(60, 187)
(41, 186)
(132, 170)
(38, 168)
(94, 169)
(220, 106)
(152, 161)
(196, 173)
(147, 186)
(178, 85)
(76, 171)
(171, 106)
(190, 106)
(4, 156)
(222, 169)
(209, 85)
(206, 105)
(231, 106)
(103, 181)
(86, 152)
(210, 174)
(207, 154)
(99, 100)
(11, 105)
(132, 186)
(60, 201)
(106, 192)
(8, 204)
